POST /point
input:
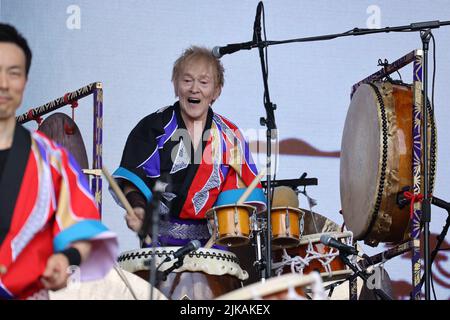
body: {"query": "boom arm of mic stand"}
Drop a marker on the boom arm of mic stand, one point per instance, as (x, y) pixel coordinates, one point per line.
(383, 295)
(412, 27)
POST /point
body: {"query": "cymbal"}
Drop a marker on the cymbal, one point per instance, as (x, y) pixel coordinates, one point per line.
(284, 197)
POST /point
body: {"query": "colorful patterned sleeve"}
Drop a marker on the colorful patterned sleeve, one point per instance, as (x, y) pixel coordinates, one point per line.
(77, 218)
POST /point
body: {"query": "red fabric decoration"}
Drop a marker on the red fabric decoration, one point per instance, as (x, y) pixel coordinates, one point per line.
(413, 198)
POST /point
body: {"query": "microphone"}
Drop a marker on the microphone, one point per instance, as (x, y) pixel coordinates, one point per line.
(218, 52)
(191, 246)
(343, 248)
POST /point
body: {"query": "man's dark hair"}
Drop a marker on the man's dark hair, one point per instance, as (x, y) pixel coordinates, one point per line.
(9, 34)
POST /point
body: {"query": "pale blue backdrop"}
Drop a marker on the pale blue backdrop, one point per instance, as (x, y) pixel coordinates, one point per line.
(130, 46)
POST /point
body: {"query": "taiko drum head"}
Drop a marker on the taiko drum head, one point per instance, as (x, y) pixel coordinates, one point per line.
(377, 161)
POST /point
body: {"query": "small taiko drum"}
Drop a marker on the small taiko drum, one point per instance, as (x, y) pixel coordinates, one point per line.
(285, 217)
(285, 287)
(204, 274)
(312, 255)
(286, 226)
(231, 225)
(377, 160)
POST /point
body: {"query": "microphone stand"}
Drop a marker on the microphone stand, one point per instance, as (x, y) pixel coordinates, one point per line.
(153, 207)
(362, 274)
(444, 205)
(425, 31)
(177, 264)
(426, 204)
(155, 232)
(269, 122)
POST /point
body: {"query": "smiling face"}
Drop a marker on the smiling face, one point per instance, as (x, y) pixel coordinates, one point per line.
(12, 79)
(197, 89)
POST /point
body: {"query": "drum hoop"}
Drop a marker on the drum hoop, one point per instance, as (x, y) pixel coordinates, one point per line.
(384, 160)
(271, 286)
(433, 146)
(224, 262)
(213, 209)
(289, 208)
(299, 211)
(315, 237)
(336, 275)
(199, 253)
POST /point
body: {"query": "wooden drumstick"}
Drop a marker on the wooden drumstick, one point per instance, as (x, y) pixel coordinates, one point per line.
(211, 241)
(252, 186)
(118, 192)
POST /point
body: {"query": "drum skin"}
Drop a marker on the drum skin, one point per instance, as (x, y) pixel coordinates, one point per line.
(376, 162)
(62, 129)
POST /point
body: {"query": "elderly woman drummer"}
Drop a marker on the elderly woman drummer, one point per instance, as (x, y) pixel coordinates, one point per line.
(198, 153)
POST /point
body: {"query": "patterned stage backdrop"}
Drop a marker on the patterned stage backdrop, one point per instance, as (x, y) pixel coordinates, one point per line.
(130, 47)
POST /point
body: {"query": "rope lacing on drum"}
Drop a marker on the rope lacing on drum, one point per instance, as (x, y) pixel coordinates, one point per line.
(298, 263)
(311, 203)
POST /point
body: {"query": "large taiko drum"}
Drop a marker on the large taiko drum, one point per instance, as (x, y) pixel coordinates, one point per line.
(376, 162)
(205, 273)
